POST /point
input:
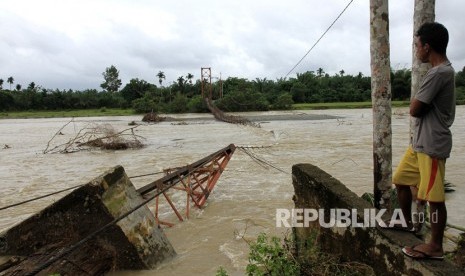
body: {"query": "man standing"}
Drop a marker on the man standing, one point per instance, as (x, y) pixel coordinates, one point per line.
(423, 164)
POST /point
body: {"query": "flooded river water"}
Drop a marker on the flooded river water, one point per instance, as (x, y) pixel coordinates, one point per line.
(247, 194)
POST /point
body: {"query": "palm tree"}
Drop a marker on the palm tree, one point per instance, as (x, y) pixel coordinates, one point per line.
(190, 77)
(10, 80)
(18, 87)
(320, 72)
(31, 86)
(342, 72)
(181, 83)
(161, 77)
(1, 84)
(259, 84)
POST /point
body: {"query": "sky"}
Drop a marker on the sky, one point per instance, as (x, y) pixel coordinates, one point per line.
(68, 44)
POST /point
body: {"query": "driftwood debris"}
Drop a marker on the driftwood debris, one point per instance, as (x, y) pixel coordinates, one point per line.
(103, 136)
(153, 118)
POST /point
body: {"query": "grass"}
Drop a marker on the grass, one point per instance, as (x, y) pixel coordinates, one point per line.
(348, 105)
(66, 113)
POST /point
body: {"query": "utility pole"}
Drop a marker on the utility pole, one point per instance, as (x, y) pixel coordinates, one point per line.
(381, 101)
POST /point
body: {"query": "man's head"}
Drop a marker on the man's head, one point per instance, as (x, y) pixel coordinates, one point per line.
(431, 37)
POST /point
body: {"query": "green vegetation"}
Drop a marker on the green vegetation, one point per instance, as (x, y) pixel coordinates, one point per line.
(268, 256)
(197, 101)
(271, 256)
(67, 113)
(221, 272)
(112, 82)
(308, 90)
(348, 105)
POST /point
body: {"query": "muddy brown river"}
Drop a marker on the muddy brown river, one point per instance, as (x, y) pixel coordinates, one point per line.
(247, 194)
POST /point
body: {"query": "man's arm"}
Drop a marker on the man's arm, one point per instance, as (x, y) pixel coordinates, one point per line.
(418, 108)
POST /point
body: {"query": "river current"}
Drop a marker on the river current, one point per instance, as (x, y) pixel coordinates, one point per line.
(246, 197)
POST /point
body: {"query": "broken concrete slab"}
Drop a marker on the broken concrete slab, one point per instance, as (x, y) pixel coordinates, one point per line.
(379, 248)
(135, 242)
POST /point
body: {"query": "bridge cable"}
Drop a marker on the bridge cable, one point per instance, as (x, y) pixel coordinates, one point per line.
(64, 190)
(39, 197)
(319, 39)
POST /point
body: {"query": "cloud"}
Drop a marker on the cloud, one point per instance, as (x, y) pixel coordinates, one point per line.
(68, 44)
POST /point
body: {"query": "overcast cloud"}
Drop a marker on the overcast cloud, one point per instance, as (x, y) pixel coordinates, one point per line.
(68, 44)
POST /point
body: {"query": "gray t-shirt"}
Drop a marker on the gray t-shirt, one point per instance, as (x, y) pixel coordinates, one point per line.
(431, 132)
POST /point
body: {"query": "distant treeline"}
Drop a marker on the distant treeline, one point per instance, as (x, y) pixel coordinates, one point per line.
(232, 94)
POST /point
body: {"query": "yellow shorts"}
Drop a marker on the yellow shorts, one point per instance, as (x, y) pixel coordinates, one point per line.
(424, 172)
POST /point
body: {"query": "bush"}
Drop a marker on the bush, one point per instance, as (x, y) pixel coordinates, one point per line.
(283, 102)
(243, 101)
(271, 256)
(144, 105)
(197, 105)
(178, 105)
(221, 272)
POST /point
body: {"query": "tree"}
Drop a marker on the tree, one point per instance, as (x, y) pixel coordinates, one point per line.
(136, 89)
(7, 102)
(400, 83)
(381, 98)
(320, 72)
(181, 82)
(284, 101)
(189, 77)
(10, 80)
(31, 86)
(161, 76)
(112, 83)
(459, 78)
(1, 84)
(18, 87)
(342, 72)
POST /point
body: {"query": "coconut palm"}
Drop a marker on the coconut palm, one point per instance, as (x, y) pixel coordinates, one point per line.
(31, 86)
(161, 76)
(10, 80)
(189, 77)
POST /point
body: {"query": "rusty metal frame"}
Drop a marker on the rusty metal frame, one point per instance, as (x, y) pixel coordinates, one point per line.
(197, 180)
(206, 82)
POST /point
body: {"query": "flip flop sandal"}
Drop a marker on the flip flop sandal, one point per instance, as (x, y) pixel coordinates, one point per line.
(419, 255)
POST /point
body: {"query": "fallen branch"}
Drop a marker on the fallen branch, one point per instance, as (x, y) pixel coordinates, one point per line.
(57, 133)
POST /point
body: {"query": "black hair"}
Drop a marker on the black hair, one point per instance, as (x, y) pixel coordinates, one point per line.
(436, 35)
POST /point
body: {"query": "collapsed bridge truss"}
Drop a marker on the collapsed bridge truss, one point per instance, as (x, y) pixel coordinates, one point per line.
(197, 180)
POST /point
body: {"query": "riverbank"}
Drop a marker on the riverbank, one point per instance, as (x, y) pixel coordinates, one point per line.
(31, 114)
